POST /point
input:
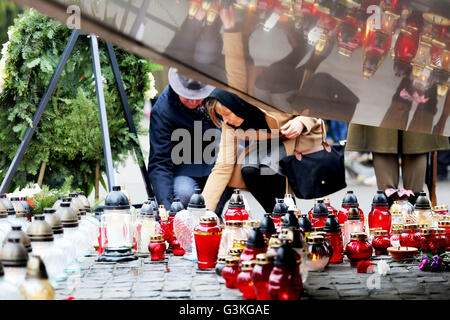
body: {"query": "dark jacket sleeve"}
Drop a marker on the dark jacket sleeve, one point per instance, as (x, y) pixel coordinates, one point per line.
(160, 165)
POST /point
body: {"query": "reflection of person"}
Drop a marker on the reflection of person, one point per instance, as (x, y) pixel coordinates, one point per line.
(254, 169)
(387, 146)
(403, 101)
(178, 107)
(199, 44)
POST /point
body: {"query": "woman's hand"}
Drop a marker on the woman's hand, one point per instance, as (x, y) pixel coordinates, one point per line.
(292, 129)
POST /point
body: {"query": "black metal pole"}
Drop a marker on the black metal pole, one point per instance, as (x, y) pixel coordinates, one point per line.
(40, 110)
(102, 113)
(129, 118)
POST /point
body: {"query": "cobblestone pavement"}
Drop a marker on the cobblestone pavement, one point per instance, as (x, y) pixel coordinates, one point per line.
(177, 278)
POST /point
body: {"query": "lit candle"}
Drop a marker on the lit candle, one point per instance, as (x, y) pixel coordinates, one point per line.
(115, 232)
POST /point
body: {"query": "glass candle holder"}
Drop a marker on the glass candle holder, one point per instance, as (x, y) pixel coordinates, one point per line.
(207, 240)
(353, 224)
(157, 248)
(411, 236)
(319, 215)
(379, 217)
(381, 242)
(358, 248)
(236, 208)
(146, 226)
(21, 216)
(350, 201)
(36, 285)
(284, 280)
(231, 271)
(177, 248)
(441, 239)
(278, 212)
(397, 216)
(397, 230)
(446, 226)
(334, 237)
(239, 243)
(429, 243)
(254, 245)
(14, 257)
(244, 280)
(220, 265)
(248, 225)
(422, 211)
(407, 210)
(260, 275)
(326, 243)
(267, 226)
(439, 213)
(318, 254)
(8, 291)
(233, 230)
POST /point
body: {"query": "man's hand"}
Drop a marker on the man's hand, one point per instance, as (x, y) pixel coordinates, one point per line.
(292, 129)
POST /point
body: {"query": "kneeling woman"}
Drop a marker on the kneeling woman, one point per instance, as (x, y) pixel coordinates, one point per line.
(268, 136)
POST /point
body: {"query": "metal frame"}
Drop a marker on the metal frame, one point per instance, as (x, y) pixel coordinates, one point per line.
(101, 108)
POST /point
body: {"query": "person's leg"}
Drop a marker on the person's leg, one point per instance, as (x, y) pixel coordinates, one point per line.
(414, 168)
(183, 188)
(265, 188)
(386, 170)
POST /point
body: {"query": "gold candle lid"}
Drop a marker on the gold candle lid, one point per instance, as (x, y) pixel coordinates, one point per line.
(247, 265)
(442, 207)
(440, 231)
(231, 261)
(157, 238)
(361, 236)
(264, 258)
(411, 226)
(444, 223)
(221, 260)
(233, 223)
(239, 243)
(381, 233)
(319, 233)
(315, 239)
(208, 219)
(274, 240)
(428, 231)
(317, 229)
(236, 252)
(422, 225)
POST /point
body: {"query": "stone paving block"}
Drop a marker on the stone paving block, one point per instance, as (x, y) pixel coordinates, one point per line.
(413, 297)
(177, 286)
(87, 294)
(116, 295)
(353, 293)
(203, 288)
(176, 294)
(93, 284)
(204, 294)
(408, 289)
(145, 294)
(439, 297)
(441, 288)
(156, 286)
(119, 285)
(349, 286)
(386, 297)
(345, 280)
(432, 279)
(324, 295)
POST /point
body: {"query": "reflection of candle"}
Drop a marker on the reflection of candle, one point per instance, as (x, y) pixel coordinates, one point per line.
(114, 232)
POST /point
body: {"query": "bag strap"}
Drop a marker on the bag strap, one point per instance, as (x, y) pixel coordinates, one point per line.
(324, 145)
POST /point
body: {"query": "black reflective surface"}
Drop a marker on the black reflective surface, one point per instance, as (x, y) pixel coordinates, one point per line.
(380, 63)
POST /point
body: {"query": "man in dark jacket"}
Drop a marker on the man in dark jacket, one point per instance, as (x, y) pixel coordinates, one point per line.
(178, 122)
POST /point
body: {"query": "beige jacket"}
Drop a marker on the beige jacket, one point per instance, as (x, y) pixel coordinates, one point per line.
(227, 170)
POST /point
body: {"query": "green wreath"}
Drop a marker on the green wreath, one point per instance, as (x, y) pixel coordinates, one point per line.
(68, 138)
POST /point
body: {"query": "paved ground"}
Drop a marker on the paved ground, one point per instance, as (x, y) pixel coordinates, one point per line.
(177, 278)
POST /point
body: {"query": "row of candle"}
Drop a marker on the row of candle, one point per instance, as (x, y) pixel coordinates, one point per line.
(38, 253)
